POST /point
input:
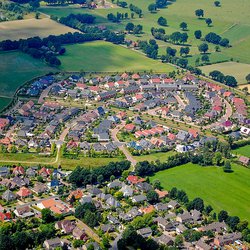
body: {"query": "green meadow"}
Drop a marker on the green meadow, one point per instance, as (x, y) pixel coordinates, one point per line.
(227, 191)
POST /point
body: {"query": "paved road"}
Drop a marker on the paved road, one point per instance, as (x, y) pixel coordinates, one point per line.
(180, 101)
(45, 93)
(121, 146)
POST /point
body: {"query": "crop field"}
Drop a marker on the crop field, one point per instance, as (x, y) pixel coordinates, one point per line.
(14, 30)
(239, 70)
(15, 69)
(103, 56)
(231, 20)
(228, 191)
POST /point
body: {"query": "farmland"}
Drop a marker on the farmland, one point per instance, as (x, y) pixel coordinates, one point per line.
(15, 69)
(239, 70)
(103, 56)
(234, 25)
(221, 190)
(14, 30)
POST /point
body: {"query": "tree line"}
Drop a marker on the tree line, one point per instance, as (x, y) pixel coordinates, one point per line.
(82, 176)
(220, 77)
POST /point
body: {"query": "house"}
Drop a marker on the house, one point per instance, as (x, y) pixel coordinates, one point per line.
(94, 191)
(164, 224)
(4, 171)
(161, 207)
(144, 186)
(173, 204)
(8, 196)
(227, 239)
(112, 202)
(245, 131)
(24, 192)
(145, 232)
(147, 210)
(39, 188)
(52, 243)
(66, 226)
(18, 170)
(139, 198)
(127, 191)
(5, 216)
(133, 179)
(217, 227)
(162, 194)
(31, 172)
(23, 211)
(129, 127)
(115, 184)
(182, 135)
(165, 240)
(244, 160)
(107, 228)
(85, 199)
(186, 217)
(201, 245)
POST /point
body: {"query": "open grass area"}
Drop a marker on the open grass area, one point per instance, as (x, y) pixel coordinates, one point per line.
(15, 30)
(161, 156)
(231, 20)
(238, 70)
(71, 164)
(4, 101)
(245, 151)
(228, 191)
(15, 69)
(103, 56)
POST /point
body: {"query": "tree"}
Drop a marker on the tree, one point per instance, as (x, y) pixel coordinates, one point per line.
(179, 241)
(138, 29)
(248, 78)
(224, 42)
(203, 47)
(230, 81)
(208, 21)
(199, 13)
(162, 21)
(183, 26)
(100, 179)
(170, 51)
(217, 158)
(222, 216)
(182, 62)
(217, 3)
(198, 34)
(152, 197)
(208, 209)
(227, 167)
(152, 7)
(232, 222)
(161, 3)
(184, 50)
(47, 216)
(205, 58)
(90, 218)
(37, 16)
(78, 243)
(129, 27)
(157, 184)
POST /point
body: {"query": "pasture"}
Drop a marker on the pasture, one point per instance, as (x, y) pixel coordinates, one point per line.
(231, 20)
(239, 70)
(15, 30)
(16, 68)
(228, 191)
(4, 101)
(102, 56)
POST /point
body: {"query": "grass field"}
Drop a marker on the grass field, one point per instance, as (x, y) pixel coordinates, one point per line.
(245, 151)
(14, 30)
(221, 190)
(4, 101)
(239, 70)
(15, 69)
(231, 20)
(161, 156)
(104, 56)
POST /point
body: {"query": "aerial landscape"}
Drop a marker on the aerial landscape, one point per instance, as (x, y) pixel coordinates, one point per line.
(125, 124)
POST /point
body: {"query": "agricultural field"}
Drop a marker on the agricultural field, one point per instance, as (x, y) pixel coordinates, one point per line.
(15, 69)
(245, 151)
(228, 191)
(227, 22)
(102, 56)
(15, 30)
(239, 70)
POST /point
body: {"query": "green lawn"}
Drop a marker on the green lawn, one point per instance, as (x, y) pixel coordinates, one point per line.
(228, 191)
(4, 101)
(161, 156)
(102, 56)
(16, 68)
(71, 164)
(245, 151)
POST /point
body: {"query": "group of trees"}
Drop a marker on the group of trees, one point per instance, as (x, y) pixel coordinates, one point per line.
(88, 213)
(135, 9)
(220, 77)
(175, 38)
(118, 17)
(136, 29)
(82, 176)
(149, 48)
(122, 4)
(216, 39)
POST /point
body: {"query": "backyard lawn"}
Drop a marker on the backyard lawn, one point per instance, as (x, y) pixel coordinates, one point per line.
(245, 151)
(228, 191)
